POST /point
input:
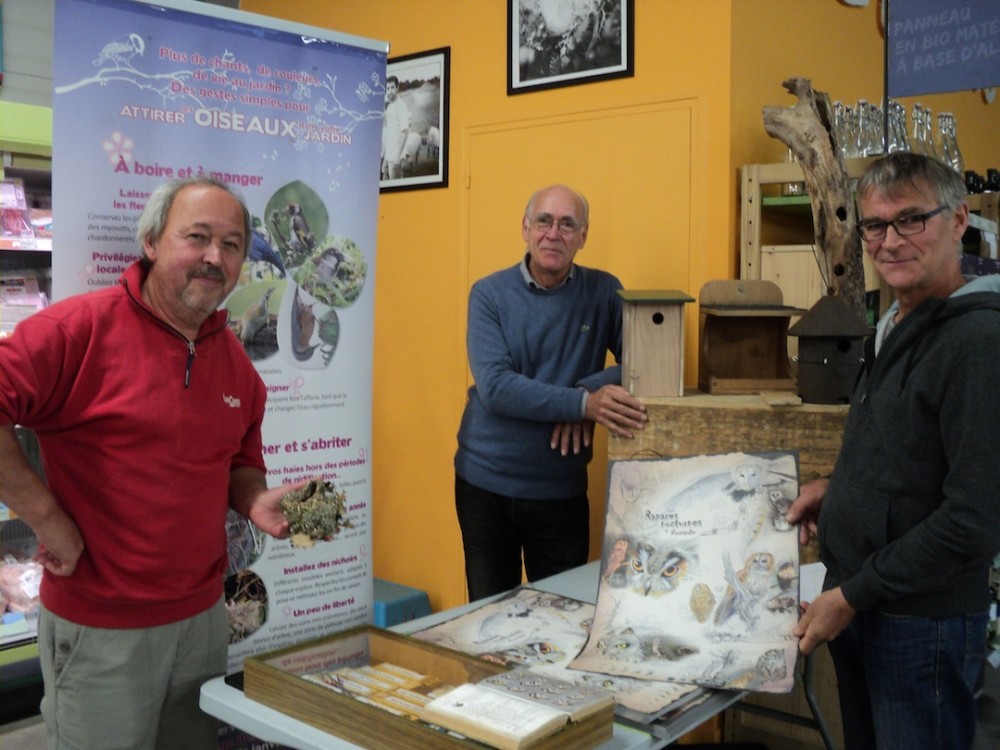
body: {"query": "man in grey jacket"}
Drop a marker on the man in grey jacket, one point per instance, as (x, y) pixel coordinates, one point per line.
(909, 522)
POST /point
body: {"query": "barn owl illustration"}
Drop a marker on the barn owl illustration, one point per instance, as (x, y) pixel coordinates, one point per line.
(526, 655)
(624, 644)
(655, 572)
(741, 482)
(702, 602)
(747, 588)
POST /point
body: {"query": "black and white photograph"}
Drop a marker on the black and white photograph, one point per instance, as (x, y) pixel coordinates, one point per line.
(554, 43)
(415, 121)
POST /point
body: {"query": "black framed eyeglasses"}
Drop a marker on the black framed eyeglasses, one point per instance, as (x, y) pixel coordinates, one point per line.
(905, 226)
(565, 225)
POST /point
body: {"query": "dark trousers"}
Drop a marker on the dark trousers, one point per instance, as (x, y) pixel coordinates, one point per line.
(907, 683)
(552, 535)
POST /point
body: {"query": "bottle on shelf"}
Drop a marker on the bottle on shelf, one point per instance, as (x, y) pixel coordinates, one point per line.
(792, 188)
(951, 154)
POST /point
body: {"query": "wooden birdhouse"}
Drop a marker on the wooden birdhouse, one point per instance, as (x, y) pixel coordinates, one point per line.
(744, 338)
(653, 341)
(831, 351)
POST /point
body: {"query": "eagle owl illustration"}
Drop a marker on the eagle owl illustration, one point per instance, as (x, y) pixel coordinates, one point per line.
(655, 572)
(624, 644)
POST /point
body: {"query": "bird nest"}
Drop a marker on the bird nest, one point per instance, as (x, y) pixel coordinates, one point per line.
(316, 512)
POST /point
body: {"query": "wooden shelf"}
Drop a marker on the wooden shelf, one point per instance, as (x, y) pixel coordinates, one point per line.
(776, 233)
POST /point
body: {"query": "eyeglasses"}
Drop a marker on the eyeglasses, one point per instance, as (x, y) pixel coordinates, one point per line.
(905, 226)
(544, 222)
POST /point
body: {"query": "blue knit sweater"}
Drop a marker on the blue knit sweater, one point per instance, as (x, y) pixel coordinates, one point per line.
(531, 350)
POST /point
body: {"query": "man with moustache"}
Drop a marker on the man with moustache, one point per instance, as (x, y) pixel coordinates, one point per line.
(148, 416)
(538, 337)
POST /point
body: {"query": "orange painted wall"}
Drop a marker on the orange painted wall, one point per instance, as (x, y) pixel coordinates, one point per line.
(729, 54)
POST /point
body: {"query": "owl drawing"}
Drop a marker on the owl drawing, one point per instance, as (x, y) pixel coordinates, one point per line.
(616, 557)
(780, 504)
(528, 654)
(747, 588)
(782, 603)
(624, 644)
(654, 572)
(771, 666)
(740, 482)
(788, 575)
(509, 614)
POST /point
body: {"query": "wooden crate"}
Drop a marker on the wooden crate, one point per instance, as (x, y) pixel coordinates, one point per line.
(276, 680)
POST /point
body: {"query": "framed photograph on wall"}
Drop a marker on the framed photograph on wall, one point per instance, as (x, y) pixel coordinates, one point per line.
(415, 121)
(565, 42)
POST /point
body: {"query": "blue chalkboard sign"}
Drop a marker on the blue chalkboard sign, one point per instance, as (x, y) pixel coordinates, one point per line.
(935, 46)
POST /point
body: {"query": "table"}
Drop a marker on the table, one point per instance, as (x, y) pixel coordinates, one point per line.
(230, 705)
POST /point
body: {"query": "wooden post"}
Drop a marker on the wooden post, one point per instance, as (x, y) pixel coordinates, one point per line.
(807, 129)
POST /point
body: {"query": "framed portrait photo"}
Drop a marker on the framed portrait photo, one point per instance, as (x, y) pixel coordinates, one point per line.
(554, 43)
(415, 121)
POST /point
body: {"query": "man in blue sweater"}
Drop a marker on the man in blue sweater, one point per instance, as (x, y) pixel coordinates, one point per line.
(538, 337)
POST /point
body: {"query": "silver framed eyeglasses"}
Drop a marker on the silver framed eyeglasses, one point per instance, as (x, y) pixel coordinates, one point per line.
(905, 226)
(565, 225)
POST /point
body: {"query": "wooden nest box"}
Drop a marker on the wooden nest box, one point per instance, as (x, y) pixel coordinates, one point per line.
(653, 342)
(831, 351)
(744, 338)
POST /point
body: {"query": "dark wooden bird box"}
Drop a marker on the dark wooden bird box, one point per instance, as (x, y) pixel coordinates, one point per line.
(653, 342)
(831, 351)
(744, 338)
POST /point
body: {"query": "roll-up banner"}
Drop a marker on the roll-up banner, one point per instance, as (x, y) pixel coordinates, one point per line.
(291, 116)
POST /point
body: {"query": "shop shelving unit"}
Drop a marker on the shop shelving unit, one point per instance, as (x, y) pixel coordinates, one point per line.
(776, 231)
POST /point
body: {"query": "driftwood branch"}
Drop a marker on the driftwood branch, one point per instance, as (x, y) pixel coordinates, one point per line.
(807, 129)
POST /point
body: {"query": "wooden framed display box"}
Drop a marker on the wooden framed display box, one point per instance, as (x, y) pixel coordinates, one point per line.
(286, 680)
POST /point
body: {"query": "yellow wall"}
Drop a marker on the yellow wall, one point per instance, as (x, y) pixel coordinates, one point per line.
(727, 56)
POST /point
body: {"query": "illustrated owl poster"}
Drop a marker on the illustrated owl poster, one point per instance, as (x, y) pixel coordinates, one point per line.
(699, 573)
(542, 632)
